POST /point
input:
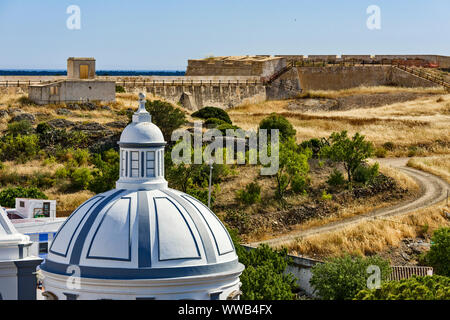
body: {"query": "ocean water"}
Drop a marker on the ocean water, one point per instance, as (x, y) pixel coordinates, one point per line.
(98, 72)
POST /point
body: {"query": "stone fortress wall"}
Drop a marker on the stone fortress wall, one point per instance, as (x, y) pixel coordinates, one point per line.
(438, 60)
(230, 81)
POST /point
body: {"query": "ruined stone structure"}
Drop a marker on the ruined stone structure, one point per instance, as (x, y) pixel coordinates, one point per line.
(80, 85)
(260, 66)
(344, 77)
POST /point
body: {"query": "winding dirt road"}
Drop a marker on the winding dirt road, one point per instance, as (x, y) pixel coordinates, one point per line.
(432, 190)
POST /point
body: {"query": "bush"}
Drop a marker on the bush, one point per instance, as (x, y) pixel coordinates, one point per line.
(336, 178)
(366, 174)
(326, 196)
(20, 148)
(212, 112)
(275, 121)
(250, 194)
(380, 153)
(315, 145)
(415, 288)
(80, 178)
(439, 255)
(342, 278)
(23, 127)
(167, 117)
(388, 146)
(263, 277)
(120, 89)
(50, 137)
(225, 126)
(299, 183)
(8, 196)
(215, 122)
(106, 171)
(293, 163)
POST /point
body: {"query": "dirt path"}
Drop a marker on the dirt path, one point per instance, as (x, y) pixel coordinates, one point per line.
(432, 190)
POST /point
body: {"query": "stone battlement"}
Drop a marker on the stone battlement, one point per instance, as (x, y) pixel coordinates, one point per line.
(419, 59)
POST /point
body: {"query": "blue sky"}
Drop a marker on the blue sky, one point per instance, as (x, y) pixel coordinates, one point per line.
(162, 35)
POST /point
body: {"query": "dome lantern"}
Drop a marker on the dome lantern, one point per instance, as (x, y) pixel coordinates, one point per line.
(141, 153)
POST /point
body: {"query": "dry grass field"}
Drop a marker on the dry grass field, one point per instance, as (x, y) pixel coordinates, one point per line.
(417, 127)
(370, 237)
(437, 165)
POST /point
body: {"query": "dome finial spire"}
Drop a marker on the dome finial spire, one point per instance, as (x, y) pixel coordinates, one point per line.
(141, 115)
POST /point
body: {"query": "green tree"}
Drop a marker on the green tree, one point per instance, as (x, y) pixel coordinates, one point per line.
(212, 112)
(351, 152)
(106, 171)
(343, 277)
(276, 121)
(264, 276)
(439, 255)
(8, 196)
(293, 164)
(167, 117)
(415, 288)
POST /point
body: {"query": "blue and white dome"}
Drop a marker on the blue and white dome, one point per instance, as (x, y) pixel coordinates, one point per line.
(142, 229)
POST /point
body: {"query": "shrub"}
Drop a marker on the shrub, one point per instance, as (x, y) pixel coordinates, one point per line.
(263, 277)
(336, 178)
(351, 152)
(215, 122)
(42, 180)
(326, 196)
(415, 288)
(275, 121)
(250, 194)
(388, 146)
(315, 145)
(106, 171)
(167, 117)
(120, 89)
(299, 183)
(23, 127)
(380, 153)
(439, 255)
(293, 162)
(80, 178)
(366, 174)
(20, 148)
(8, 196)
(212, 112)
(81, 156)
(343, 277)
(225, 126)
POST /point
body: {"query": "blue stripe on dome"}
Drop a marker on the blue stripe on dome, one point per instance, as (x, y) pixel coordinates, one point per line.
(81, 239)
(144, 251)
(144, 273)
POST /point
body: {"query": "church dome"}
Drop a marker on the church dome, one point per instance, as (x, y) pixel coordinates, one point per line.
(144, 231)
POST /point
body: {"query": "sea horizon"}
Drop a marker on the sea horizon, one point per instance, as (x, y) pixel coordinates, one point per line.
(62, 72)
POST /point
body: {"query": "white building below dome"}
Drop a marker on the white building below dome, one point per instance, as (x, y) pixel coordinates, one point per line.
(17, 265)
(142, 240)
